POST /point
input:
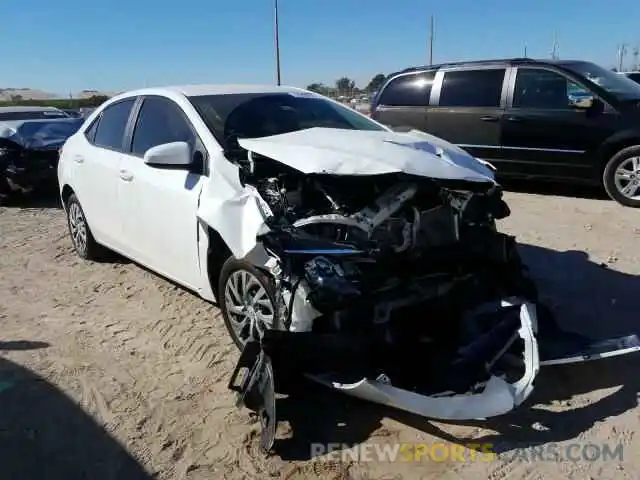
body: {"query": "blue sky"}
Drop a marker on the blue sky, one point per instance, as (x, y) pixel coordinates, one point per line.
(69, 45)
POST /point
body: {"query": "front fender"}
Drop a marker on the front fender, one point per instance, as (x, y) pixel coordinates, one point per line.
(235, 211)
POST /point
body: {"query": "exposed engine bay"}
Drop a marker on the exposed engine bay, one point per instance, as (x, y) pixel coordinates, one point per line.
(395, 288)
(374, 273)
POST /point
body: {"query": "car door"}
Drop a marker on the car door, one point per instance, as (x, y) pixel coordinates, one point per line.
(159, 204)
(545, 133)
(404, 100)
(467, 108)
(96, 172)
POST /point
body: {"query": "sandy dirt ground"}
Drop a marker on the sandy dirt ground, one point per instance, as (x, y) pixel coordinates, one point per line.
(110, 372)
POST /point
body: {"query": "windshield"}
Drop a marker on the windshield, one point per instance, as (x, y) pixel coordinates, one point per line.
(254, 115)
(612, 82)
(32, 115)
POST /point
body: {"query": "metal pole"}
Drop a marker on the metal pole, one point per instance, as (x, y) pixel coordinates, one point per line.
(525, 50)
(431, 27)
(554, 52)
(277, 40)
(623, 51)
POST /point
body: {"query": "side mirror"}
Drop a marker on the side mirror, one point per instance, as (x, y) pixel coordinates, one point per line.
(174, 154)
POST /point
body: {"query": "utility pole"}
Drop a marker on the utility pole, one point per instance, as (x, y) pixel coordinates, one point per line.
(554, 52)
(525, 50)
(276, 39)
(431, 33)
(622, 51)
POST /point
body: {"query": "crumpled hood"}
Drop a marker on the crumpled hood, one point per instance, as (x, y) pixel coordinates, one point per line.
(358, 152)
(40, 134)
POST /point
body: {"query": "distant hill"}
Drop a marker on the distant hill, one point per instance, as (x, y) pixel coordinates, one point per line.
(9, 94)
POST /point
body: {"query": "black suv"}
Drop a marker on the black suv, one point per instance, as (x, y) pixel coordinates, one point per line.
(557, 120)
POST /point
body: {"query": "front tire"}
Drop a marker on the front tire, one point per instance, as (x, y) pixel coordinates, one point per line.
(247, 301)
(84, 244)
(621, 177)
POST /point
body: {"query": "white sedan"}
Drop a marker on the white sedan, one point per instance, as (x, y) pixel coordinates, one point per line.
(334, 246)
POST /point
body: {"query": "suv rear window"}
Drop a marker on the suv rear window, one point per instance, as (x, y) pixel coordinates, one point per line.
(472, 88)
(634, 76)
(412, 90)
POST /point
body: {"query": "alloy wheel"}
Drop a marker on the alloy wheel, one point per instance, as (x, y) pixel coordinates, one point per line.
(78, 228)
(249, 307)
(627, 178)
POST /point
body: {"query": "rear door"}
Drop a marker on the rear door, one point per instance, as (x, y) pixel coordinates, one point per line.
(96, 172)
(404, 100)
(467, 109)
(545, 134)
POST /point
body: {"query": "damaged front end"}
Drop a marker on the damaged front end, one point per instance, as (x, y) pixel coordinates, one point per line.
(29, 152)
(392, 287)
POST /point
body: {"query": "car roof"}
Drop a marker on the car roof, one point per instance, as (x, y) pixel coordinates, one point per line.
(22, 109)
(209, 89)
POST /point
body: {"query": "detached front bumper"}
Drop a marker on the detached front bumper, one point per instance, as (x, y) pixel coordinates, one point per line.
(497, 397)
(326, 359)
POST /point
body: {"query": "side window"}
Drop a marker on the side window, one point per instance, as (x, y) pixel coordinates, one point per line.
(408, 90)
(113, 122)
(160, 121)
(472, 88)
(90, 132)
(544, 89)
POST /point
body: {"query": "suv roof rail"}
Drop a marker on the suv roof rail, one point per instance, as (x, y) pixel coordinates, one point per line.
(470, 63)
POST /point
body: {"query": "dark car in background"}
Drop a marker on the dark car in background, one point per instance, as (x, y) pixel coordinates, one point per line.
(557, 120)
(29, 152)
(31, 113)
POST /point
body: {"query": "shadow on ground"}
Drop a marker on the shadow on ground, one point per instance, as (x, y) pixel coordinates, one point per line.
(44, 199)
(44, 434)
(554, 188)
(580, 293)
(14, 345)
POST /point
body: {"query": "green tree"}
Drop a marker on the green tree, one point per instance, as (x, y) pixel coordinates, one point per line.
(376, 82)
(345, 86)
(318, 87)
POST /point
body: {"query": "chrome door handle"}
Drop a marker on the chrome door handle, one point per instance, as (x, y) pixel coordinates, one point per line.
(78, 159)
(126, 176)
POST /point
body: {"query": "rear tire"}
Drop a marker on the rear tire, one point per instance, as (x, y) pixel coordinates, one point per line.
(82, 239)
(620, 175)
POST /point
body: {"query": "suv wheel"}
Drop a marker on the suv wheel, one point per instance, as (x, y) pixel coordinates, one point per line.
(247, 301)
(83, 242)
(621, 177)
